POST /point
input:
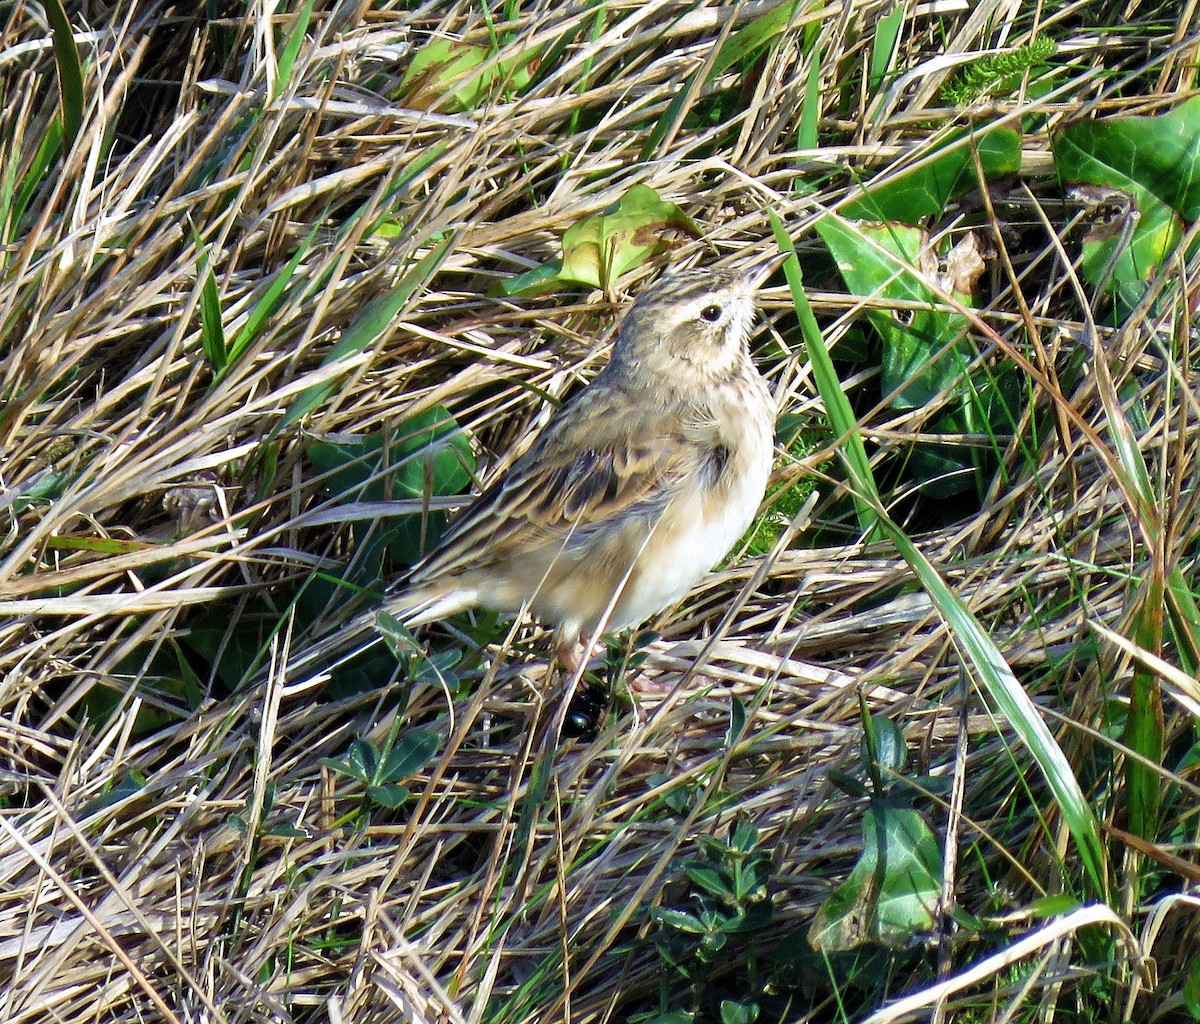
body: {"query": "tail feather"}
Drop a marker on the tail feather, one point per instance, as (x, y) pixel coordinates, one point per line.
(417, 607)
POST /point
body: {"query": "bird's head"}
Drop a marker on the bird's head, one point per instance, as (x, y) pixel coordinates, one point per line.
(691, 326)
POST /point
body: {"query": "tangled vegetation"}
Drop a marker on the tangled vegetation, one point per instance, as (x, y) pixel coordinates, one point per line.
(280, 287)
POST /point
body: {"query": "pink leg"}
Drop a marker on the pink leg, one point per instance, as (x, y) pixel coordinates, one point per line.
(568, 654)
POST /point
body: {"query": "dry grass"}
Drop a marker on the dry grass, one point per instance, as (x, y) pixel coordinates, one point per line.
(143, 496)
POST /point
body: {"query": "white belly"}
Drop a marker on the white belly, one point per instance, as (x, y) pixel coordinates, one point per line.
(691, 539)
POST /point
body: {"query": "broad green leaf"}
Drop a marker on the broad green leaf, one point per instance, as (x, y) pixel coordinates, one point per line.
(437, 668)
(923, 356)
(285, 831)
(232, 650)
(1158, 155)
(1191, 987)
(926, 351)
(441, 63)
(364, 759)
(388, 794)
(883, 744)
(988, 404)
(539, 279)
(710, 879)
(465, 73)
(679, 920)
(744, 837)
(425, 456)
(599, 249)
(349, 768)
(1046, 907)
(892, 892)
(397, 636)
(847, 783)
(738, 1013)
(925, 190)
(1155, 161)
(412, 751)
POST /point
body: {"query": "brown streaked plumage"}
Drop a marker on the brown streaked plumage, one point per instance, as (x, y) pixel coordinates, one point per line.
(635, 489)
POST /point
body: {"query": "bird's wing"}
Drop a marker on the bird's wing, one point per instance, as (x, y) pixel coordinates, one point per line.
(600, 462)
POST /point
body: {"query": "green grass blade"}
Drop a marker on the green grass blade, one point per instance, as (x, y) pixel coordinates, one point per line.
(672, 116)
(373, 320)
(287, 59)
(810, 108)
(746, 43)
(988, 663)
(883, 48)
(1184, 619)
(70, 72)
(1010, 697)
(212, 330)
(837, 405)
(1144, 732)
(1144, 726)
(48, 149)
(268, 303)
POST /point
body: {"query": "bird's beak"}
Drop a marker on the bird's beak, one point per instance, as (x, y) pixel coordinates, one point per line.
(761, 269)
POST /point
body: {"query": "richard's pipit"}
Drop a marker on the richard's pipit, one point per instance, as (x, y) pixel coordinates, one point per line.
(636, 488)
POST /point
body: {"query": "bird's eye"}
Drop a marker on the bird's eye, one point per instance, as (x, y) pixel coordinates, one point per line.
(711, 313)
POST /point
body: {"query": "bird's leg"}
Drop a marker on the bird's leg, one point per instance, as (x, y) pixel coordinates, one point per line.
(568, 653)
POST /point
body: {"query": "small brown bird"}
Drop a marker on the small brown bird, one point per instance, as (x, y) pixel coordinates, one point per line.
(636, 488)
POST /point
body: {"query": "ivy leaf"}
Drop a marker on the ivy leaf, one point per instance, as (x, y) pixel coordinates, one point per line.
(925, 190)
(1155, 162)
(893, 891)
